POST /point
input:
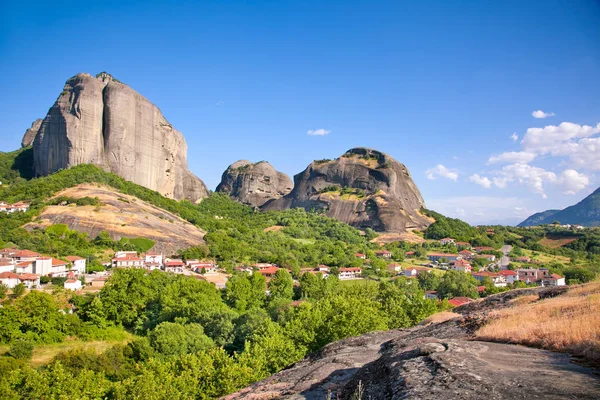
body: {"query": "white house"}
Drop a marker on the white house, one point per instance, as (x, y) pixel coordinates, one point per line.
(78, 264)
(154, 258)
(7, 266)
(350, 273)
(497, 279)
(174, 266)
(446, 241)
(127, 261)
(208, 267)
(73, 284)
(30, 280)
(461, 266)
(510, 276)
(25, 267)
(394, 268)
(9, 279)
(553, 280)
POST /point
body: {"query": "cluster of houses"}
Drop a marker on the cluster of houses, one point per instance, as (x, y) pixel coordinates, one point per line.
(152, 261)
(269, 270)
(11, 208)
(26, 267)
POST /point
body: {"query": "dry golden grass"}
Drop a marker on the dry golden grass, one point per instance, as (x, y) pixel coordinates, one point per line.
(439, 317)
(567, 323)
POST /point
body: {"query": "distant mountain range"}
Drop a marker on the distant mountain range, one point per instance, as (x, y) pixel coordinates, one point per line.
(586, 213)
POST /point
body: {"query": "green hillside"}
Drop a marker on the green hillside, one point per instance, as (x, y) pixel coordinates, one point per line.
(586, 213)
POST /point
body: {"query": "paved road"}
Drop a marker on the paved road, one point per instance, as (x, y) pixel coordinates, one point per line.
(505, 260)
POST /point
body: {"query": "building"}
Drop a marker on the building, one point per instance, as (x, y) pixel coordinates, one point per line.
(154, 258)
(9, 279)
(261, 266)
(174, 266)
(553, 280)
(268, 272)
(409, 254)
(99, 283)
(461, 266)
(350, 273)
(497, 279)
(397, 268)
(72, 284)
(489, 257)
(25, 255)
(30, 280)
(11, 208)
(6, 265)
(531, 275)
(78, 264)
(431, 294)
(128, 261)
(415, 271)
(459, 301)
(361, 255)
(510, 276)
(436, 257)
(383, 253)
(466, 254)
(446, 241)
(207, 267)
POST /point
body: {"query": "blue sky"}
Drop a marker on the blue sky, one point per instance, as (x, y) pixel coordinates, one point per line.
(441, 86)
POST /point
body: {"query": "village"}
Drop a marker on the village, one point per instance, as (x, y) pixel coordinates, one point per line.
(28, 268)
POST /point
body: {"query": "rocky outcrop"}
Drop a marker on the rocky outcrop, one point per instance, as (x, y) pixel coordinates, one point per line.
(31, 133)
(121, 216)
(364, 188)
(254, 183)
(98, 120)
(433, 361)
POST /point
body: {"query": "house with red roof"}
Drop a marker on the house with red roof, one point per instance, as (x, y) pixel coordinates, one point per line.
(30, 280)
(78, 264)
(9, 279)
(409, 254)
(466, 253)
(461, 266)
(415, 271)
(25, 255)
(350, 273)
(481, 249)
(6, 265)
(553, 280)
(446, 241)
(497, 279)
(268, 272)
(360, 255)
(459, 301)
(174, 266)
(510, 276)
(127, 261)
(383, 253)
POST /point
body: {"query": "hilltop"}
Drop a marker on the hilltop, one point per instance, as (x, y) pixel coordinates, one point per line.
(585, 213)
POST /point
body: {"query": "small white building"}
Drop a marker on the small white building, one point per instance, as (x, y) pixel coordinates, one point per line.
(175, 266)
(154, 258)
(78, 264)
(30, 280)
(127, 262)
(350, 273)
(7, 266)
(73, 284)
(446, 241)
(553, 280)
(9, 279)
(510, 276)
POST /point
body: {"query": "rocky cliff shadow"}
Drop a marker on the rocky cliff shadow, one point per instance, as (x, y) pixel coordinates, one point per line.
(23, 164)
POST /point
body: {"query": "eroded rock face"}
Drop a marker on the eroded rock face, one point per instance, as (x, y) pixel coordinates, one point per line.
(364, 188)
(31, 133)
(254, 183)
(98, 120)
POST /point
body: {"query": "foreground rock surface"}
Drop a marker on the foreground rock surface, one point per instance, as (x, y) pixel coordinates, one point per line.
(98, 120)
(431, 361)
(254, 183)
(31, 133)
(364, 188)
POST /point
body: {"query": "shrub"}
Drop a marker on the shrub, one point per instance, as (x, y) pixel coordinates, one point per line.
(21, 349)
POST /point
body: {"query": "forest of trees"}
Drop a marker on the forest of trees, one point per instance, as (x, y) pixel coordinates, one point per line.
(190, 339)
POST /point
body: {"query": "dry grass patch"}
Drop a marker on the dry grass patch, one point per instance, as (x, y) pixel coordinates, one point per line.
(439, 317)
(567, 323)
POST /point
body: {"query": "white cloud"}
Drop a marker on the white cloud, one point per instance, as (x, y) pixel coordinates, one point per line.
(576, 142)
(220, 103)
(541, 114)
(318, 132)
(514, 136)
(441, 171)
(569, 181)
(481, 181)
(511, 157)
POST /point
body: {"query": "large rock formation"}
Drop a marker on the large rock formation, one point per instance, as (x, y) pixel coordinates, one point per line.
(254, 184)
(99, 120)
(436, 360)
(364, 188)
(31, 133)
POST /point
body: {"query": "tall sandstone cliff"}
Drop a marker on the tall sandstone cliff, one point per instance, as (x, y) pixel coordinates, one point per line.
(31, 133)
(98, 120)
(254, 183)
(364, 188)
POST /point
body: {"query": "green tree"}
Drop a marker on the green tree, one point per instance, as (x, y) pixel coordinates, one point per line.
(243, 292)
(282, 285)
(171, 338)
(455, 284)
(21, 349)
(3, 291)
(19, 290)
